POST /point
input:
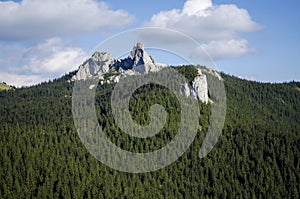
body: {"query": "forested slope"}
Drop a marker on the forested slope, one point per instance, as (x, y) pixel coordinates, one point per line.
(257, 155)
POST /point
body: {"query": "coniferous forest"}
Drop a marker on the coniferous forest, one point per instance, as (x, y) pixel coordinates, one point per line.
(256, 156)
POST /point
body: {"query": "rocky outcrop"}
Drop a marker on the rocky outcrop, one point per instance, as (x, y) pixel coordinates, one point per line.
(186, 89)
(104, 60)
(138, 62)
(95, 66)
(142, 62)
(198, 89)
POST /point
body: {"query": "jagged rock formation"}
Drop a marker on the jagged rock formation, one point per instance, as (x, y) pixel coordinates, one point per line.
(198, 89)
(142, 62)
(138, 62)
(101, 63)
(97, 65)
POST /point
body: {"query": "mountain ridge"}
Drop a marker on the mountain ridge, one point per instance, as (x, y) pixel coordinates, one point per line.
(102, 66)
(257, 155)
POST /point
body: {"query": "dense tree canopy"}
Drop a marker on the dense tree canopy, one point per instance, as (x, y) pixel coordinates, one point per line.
(257, 155)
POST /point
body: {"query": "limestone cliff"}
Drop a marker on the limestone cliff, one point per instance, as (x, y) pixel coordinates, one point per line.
(138, 62)
(198, 89)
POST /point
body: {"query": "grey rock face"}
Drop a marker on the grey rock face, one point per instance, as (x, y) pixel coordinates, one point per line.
(97, 65)
(102, 62)
(186, 89)
(199, 86)
(138, 62)
(142, 62)
(198, 89)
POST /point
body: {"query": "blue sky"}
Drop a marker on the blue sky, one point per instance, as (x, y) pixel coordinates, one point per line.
(257, 40)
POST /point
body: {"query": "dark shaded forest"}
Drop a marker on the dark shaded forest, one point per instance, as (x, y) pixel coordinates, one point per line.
(257, 155)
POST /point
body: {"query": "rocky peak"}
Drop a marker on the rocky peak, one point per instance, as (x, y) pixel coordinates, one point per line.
(137, 51)
(102, 56)
(138, 62)
(97, 65)
(142, 62)
(139, 57)
(102, 62)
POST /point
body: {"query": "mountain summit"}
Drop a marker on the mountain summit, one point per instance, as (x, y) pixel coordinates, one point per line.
(138, 62)
(101, 65)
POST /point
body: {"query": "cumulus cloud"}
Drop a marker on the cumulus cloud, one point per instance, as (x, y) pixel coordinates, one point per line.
(53, 57)
(203, 21)
(224, 49)
(31, 19)
(20, 80)
(192, 7)
(211, 25)
(47, 60)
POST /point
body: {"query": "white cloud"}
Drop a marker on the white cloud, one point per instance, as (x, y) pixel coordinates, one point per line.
(47, 60)
(192, 7)
(225, 49)
(203, 21)
(214, 26)
(53, 57)
(31, 19)
(20, 80)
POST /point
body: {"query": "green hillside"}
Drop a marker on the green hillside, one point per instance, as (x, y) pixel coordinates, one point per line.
(257, 155)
